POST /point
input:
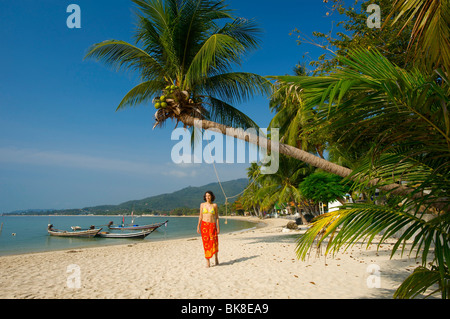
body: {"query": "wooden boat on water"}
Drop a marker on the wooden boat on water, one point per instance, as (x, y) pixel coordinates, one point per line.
(135, 227)
(87, 233)
(138, 234)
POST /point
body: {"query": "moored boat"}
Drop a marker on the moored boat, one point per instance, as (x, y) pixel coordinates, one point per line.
(76, 233)
(138, 234)
(135, 227)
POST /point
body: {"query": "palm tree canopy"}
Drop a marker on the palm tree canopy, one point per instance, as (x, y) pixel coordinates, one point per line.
(404, 115)
(368, 97)
(282, 186)
(192, 44)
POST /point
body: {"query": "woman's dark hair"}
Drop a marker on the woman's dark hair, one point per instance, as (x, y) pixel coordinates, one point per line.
(212, 196)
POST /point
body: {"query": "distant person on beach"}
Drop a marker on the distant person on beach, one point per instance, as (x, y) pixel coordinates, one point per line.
(208, 227)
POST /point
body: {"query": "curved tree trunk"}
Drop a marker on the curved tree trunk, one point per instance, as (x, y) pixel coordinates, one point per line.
(299, 154)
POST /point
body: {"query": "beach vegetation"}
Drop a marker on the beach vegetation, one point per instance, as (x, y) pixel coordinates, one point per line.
(250, 200)
(402, 114)
(322, 187)
(282, 186)
(406, 114)
(351, 31)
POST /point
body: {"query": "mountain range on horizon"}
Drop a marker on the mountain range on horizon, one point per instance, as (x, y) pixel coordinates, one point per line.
(189, 197)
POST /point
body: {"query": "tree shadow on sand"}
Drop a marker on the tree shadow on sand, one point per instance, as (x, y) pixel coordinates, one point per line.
(238, 260)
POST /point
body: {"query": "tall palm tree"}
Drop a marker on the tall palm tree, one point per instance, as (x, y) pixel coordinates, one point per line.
(407, 113)
(282, 186)
(184, 52)
(249, 198)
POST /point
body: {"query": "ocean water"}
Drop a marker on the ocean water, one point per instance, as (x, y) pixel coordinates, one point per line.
(30, 232)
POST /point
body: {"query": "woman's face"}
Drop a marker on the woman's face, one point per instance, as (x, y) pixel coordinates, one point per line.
(208, 197)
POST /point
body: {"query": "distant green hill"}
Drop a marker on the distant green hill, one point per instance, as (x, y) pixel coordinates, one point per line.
(178, 202)
(189, 197)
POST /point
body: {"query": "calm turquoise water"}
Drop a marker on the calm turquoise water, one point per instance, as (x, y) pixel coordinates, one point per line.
(31, 231)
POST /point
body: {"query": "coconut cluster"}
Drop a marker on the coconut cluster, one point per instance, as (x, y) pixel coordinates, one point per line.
(174, 103)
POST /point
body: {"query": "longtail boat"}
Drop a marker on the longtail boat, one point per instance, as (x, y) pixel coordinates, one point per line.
(135, 227)
(76, 233)
(138, 234)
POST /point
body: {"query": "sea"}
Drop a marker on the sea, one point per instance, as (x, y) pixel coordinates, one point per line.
(28, 234)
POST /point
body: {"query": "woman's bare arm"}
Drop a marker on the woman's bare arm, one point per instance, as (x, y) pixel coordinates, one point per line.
(200, 217)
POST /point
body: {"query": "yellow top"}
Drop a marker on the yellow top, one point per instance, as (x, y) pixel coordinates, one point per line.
(205, 211)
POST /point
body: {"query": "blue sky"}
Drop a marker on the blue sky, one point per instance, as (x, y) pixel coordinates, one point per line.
(62, 145)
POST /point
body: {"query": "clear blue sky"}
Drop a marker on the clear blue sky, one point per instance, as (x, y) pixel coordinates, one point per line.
(62, 145)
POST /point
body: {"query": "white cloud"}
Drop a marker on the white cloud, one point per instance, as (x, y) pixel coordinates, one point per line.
(35, 157)
(73, 160)
(183, 170)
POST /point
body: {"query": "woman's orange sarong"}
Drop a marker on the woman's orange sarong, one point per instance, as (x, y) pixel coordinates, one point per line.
(209, 238)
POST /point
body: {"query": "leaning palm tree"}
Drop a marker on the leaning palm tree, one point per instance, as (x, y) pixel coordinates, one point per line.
(406, 113)
(184, 52)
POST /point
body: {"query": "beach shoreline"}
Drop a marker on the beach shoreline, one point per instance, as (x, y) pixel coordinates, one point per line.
(255, 263)
(98, 243)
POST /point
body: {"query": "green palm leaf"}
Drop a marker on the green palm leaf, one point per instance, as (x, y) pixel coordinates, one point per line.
(141, 93)
(362, 222)
(431, 30)
(212, 54)
(222, 112)
(420, 281)
(236, 87)
(121, 55)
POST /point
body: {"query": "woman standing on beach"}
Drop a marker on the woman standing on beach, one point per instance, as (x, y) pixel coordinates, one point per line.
(208, 227)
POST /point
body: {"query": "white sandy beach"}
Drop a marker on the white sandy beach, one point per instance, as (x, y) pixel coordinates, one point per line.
(257, 264)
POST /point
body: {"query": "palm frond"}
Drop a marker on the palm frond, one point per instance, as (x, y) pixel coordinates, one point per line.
(160, 43)
(244, 31)
(224, 113)
(236, 87)
(124, 56)
(420, 281)
(431, 30)
(362, 222)
(141, 93)
(192, 45)
(219, 51)
(195, 24)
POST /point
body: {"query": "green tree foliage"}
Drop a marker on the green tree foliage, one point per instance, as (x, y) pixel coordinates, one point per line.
(392, 40)
(430, 35)
(323, 187)
(406, 114)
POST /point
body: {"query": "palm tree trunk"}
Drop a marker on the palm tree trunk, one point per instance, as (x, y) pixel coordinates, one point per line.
(301, 155)
(302, 217)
